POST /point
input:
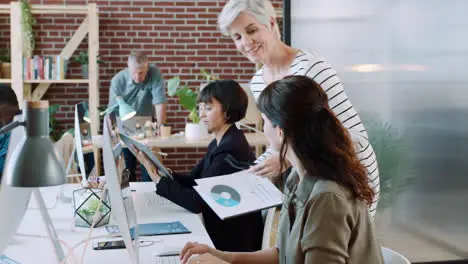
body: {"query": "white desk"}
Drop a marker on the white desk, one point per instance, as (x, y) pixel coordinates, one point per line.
(32, 250)
(254, 139)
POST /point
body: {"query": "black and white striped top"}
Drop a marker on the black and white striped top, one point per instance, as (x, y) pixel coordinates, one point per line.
(311, 65)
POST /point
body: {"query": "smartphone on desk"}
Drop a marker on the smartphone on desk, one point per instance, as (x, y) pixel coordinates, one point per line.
(114, 244)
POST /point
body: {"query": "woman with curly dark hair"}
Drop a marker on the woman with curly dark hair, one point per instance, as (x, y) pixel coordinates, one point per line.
(324, 218)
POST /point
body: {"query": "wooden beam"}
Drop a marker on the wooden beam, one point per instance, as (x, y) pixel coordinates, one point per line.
(27, 91)
(75, 41)
(16, 38)
(50, 9)
(67, 52)
(93, 72)
(59, 9)
(5, 9)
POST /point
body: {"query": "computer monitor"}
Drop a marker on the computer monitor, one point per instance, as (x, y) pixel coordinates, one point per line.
(13, 201)
(118, 186)
(83, 138)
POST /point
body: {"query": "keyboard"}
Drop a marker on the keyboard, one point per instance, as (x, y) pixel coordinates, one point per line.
(167, 260)
(151, 198)
(161, 200)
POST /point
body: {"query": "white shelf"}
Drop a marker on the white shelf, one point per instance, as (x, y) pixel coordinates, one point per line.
(58, 81)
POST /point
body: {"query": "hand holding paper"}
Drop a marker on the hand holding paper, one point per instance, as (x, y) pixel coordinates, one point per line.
(238, 193)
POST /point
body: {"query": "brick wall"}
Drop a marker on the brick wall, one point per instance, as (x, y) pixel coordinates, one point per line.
(181, 37)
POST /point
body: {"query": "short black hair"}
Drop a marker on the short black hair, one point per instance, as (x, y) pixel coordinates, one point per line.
(8, 96)
(230, 95)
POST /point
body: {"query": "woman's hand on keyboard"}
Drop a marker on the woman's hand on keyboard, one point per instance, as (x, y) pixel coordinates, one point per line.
(192, 248)
(206, 254)
(205, 259)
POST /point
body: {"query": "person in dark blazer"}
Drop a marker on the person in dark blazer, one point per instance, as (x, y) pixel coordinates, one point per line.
(221, 104)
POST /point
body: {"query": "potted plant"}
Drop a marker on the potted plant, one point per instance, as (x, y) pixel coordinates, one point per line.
(27, 23)
(207, 77)
(5, 65)
(188, 100)
(82, 59)
(55, 132)
(89, 208)
(395, 166)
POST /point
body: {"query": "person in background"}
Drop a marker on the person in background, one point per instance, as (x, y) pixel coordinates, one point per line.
(324, 218)
(8, 109)
(252, 26)
(221, 104)
(142, 86)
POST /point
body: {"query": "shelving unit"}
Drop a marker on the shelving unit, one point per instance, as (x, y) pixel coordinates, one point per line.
(89, 26)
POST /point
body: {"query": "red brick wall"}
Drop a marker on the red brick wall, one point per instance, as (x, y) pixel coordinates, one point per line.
(181, 37)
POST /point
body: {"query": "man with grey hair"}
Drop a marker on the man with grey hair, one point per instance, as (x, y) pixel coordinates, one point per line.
(141, 85)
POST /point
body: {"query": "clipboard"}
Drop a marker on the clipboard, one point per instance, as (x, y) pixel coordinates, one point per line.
(130, 141)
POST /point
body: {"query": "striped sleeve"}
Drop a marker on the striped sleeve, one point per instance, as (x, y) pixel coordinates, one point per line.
(326, 76)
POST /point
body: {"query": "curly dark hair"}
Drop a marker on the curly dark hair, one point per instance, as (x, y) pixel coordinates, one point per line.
(299, 106)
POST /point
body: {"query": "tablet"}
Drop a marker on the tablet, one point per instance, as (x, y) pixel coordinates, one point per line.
(130, 141)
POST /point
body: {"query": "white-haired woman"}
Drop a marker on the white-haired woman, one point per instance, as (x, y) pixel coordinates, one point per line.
(252, 26)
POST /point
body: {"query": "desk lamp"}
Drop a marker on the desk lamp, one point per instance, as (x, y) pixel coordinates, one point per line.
(86, 116)
(125, 110)
(34, 163)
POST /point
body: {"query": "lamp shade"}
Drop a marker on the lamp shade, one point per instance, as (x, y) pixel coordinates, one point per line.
(86, 117)
(34, 162)
(125, 110)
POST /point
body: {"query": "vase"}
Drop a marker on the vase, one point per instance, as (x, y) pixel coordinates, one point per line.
(5, 70)
(195, 131)
(84, 71)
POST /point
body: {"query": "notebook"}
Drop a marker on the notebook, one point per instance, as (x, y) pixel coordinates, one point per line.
(6, 260)
(154, 229)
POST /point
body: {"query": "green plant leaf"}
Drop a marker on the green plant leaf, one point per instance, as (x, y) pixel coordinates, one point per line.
(173, 85)
(187, 98)
(194, 116)
(5, 55)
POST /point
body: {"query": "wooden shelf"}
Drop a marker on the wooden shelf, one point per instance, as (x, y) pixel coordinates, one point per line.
(5, 80)
(58, 81)
(50, 9)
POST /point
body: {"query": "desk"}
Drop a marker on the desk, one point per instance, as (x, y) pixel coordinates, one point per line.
(32, 250)
(254, 139)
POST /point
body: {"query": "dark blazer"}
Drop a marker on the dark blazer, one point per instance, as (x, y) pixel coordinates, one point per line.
(241, 233)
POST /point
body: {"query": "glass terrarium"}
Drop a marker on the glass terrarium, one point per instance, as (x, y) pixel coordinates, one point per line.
(86, 204)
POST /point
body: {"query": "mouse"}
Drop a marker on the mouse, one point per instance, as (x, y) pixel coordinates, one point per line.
(168, 250)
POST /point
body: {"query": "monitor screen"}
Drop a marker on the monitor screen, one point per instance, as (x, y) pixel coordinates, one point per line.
(83, 140)
(117, 184)
(123, 174)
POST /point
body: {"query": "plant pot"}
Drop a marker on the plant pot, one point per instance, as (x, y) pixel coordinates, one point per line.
(5, 70)
(84, 71)
(195, 131)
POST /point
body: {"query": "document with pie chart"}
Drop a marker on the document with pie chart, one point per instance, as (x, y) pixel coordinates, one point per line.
(238, 193)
